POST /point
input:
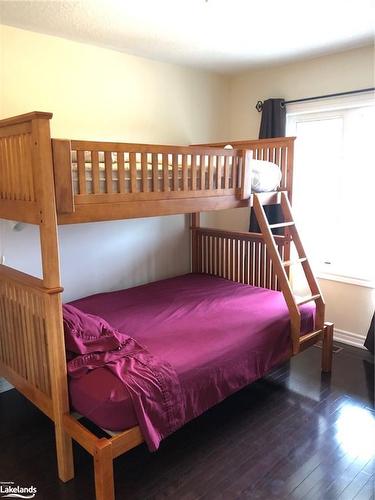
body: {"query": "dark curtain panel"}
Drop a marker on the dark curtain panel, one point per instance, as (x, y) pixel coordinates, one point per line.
(272, 125)
(273, 119)
(369, 342)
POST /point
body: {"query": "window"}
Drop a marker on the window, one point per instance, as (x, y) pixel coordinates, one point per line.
(334, 186)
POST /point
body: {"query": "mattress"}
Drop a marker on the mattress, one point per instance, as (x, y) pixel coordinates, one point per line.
(209, 329)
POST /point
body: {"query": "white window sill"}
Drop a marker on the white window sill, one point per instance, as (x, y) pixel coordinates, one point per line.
(346, 279)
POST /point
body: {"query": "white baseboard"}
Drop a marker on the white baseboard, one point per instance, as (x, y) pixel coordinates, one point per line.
(350, 338)
(4, 385)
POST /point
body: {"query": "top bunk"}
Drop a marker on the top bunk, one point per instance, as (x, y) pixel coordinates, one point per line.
(91, 181)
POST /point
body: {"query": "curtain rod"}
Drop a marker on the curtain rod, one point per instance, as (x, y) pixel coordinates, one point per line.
(259, 104)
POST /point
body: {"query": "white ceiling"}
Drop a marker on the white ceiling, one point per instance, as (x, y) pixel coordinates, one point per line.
(218, 35)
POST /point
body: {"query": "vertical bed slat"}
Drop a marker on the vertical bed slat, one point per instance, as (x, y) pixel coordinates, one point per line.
(235, 259)
(39, 335)
(205, 244)
(193, 172)
(290, 163)
(12, 181)
(200, 269)
(81, 170)
(283, 166)
(175, 182)
(219, 160)
(261, 265)
(21, 331)
(108, 171)
(216, 256)
(243, 260)
(121, 171)
(133, 173)
(29, 334)
(211, 173)
(248, 262)
(203, 171)
(185, 185)
(95, 172)
(222, 254)
(155, 173)
(27, 162)
(18, 332)
(18, 178)
(144, 172)
(209, 255)
(235, 168)
(266, 269)
(231, 259)
(9, 321)
(226, 172)
(3, 177)
(256, 264)
(277, 156)
(165, 172)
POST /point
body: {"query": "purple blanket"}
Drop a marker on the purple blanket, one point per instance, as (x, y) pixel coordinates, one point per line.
(152, 384)
(211, 335)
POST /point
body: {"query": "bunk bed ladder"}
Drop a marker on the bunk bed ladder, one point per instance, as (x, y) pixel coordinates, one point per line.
(299, 341)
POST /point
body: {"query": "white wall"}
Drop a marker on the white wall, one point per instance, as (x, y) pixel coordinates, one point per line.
(103, 256)
(353, 69)
(97, 93)
(348, 305)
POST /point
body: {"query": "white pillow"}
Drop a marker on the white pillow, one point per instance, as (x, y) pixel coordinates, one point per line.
(265, 176)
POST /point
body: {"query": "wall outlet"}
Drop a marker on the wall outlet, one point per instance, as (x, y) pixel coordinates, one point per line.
(4, 385)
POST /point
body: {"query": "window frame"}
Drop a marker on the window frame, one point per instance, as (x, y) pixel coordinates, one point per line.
(330, 109)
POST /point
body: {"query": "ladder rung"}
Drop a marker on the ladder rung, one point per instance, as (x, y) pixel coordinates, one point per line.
(304, 300)
(309, 336)
(288, 263)
(281, 224)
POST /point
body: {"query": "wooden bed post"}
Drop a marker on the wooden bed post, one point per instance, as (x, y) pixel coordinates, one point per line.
(327, 348)
(103, 465)
(195, 223)
(45, 196)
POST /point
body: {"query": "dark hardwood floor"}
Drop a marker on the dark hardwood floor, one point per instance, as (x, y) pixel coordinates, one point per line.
(292, 435)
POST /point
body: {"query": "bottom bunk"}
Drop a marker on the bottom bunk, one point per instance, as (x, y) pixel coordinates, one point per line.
(218, 336)
(219, 328)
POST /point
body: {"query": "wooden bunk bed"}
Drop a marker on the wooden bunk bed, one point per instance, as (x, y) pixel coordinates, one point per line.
(49, 182)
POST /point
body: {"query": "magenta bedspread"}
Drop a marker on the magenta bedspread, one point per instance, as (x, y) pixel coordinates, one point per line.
(217, 335)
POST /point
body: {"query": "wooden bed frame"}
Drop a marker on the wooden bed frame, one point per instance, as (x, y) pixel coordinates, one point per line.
(36, 186)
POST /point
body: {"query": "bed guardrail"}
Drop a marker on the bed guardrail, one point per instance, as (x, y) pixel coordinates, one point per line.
(279, 150)
(89, 175)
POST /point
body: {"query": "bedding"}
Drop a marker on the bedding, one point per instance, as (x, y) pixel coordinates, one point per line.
(217, 335)
(152, 384)
(265, 176)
